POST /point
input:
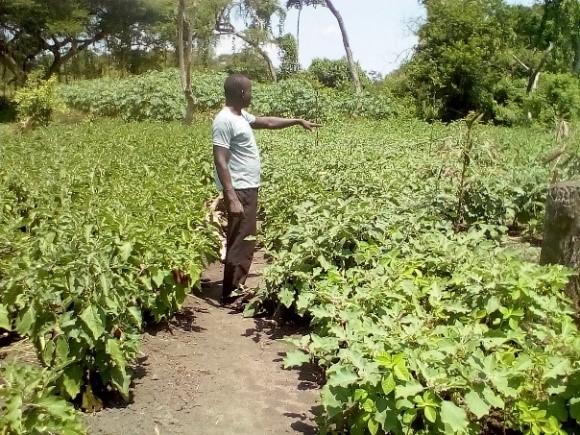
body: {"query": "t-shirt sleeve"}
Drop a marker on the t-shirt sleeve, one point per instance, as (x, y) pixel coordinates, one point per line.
(248, 117)
(222, 133)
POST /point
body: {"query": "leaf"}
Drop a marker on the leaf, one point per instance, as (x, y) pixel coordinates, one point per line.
(121, 380)
(408, 390)
(454, 416)
(409, 416)
(48, 353)
(430, 414)
(493, 399)
(360, 395)
(343, 377)
(295, 358)
(401, 372)
(324, 263)
(90, 402)
(369, 406)
(4, 318)
(135, 314)
(125, 250)
(158, 277)
(476, 404)
(559, 366)
(286, 297)
(62, 350)
(373, 426)
(55, 406)
(71, 381)
(388, 384)
(12, 412)
(575, 408)
(93, 322)
(25, 321)
(493, 304)
(115, 353)
(384, 360)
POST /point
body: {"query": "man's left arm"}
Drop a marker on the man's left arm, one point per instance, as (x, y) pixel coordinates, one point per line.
(274, 123)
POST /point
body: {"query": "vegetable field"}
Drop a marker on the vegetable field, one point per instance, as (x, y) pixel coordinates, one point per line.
(422, 325)
(103, 227)
(428, 314)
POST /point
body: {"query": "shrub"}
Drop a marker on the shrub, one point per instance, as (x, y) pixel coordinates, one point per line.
(335, 73)
(29, 406)
(37, 101)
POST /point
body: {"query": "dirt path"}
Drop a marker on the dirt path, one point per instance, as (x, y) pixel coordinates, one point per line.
(213, 372)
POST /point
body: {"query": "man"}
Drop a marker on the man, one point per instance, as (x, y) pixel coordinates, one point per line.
(237, 174)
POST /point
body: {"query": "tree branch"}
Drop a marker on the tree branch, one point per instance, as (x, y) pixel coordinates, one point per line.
(527, 68)
(262, 52)
(77, 45)
(535, 75)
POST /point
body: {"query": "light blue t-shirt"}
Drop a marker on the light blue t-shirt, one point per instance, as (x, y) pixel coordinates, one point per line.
(235, 133)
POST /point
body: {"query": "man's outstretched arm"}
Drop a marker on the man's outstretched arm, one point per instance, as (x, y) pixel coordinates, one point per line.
(274, 123)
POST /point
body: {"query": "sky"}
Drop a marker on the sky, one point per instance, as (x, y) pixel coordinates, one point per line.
(381, 32)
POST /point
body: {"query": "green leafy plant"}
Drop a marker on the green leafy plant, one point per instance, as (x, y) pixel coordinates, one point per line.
(157, 96)
(28, 404)
(37, 101)
(420, 329)
(91, 246)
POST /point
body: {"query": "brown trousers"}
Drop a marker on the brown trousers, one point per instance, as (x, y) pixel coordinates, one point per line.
(239, 251)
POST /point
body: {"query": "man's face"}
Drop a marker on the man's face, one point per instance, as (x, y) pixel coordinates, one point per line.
(247, 94)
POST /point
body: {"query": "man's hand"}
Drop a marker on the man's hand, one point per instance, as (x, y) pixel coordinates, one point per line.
(307, 125)
(233, 204)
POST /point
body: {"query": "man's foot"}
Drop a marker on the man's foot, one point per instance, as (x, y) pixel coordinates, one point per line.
(234, 303)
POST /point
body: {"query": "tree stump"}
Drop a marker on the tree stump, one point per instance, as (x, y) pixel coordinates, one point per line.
(562, 233)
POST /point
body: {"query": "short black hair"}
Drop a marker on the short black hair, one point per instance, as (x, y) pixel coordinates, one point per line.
(234, 85)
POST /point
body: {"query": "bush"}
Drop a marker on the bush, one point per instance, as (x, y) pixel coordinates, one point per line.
(37, 101)
(335, 73)
(29, 406)
(561, 96)
(556, 98)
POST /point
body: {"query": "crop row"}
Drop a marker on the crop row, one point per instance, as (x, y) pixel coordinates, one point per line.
(102, 228)
(421, 328)
(157, 96)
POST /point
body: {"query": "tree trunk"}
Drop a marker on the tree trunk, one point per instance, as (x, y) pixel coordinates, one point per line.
(76, 48)
(298, 22)
(184, 47)
(11, 65)
(262, 52)
(349, 57)
(577, 56)
(562, 233)
(535, 72)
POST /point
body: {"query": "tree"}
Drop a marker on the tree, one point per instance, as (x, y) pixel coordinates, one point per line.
(63, 28)
(184, 46)
(463, 53)
(334, 73)
(345, 39)
(258, 16)
(560, 26)
(289, 55)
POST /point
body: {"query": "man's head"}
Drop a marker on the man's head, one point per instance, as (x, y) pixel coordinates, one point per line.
(238, 89)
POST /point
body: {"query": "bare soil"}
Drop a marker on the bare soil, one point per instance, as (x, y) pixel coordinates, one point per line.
(211, 371)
